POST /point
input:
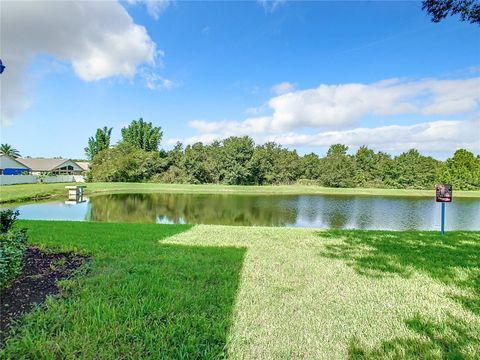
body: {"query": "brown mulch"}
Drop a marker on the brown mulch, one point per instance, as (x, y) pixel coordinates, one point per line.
(36, 281)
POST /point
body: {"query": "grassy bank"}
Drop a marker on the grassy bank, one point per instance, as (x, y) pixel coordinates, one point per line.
(173, 291)
(17, 193)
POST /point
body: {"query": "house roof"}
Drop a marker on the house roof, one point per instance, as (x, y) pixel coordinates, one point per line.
(85, 165)
(43, 164)
(12, 159)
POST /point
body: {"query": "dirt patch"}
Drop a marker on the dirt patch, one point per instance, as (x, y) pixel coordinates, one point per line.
(37, 280)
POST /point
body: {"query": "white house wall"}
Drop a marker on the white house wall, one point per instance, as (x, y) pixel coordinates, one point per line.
(33, 179)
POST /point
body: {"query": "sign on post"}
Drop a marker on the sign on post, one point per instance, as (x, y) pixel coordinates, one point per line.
(443, 194)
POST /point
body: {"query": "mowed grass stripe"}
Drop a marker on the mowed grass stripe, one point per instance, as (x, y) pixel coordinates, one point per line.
(351, 294)
(160, 291)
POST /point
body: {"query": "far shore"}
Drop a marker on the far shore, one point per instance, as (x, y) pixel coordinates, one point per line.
(32, 192)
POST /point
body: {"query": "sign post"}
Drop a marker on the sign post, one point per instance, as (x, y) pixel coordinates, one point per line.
(443, 218)
(443, 194)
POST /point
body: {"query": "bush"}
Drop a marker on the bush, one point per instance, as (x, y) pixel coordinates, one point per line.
(13, 244)
(124, 162)
(174, 175)
(307, 182)
(7, 219)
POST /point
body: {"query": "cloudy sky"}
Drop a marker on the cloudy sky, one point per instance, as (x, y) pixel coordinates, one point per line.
(306, 75)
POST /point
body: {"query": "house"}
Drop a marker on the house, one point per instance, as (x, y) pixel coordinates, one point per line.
(41, 166)
(11, 166)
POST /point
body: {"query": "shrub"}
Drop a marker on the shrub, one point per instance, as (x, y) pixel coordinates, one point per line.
(13, 244)
(174, 175)
(124, 162)
(7, 219)
(307, 182)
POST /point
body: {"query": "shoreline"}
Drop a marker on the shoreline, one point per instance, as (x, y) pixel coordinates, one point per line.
(36, 192)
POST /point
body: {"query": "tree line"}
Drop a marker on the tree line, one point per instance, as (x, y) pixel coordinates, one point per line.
(239, 161)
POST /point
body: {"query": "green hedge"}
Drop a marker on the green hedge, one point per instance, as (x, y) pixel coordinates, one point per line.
(12, 250)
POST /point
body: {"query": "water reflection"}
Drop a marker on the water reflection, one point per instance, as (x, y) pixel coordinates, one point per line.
(193, 209)
(328, 211)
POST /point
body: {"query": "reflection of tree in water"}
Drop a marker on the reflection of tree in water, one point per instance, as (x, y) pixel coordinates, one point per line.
(133, 208)
(88, 213)
(337, 211)
(195, 209)
(363, 212)
(279, 210)
(462, 213)
(413, 213)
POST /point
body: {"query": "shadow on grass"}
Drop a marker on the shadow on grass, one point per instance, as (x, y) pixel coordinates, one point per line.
(452, 339)
(197, 297)
(141, 299)
(453, 259)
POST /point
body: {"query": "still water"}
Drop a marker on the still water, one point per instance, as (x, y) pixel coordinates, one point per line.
(324, 211)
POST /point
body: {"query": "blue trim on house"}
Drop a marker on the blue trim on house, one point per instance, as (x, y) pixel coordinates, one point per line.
(11, 171)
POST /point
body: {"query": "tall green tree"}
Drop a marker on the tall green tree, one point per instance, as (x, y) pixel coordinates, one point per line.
(7, 149)
(364, 166)
(274, 164)
(214, 165)
(462, 171)
(99, 142)
(142, 135)
(338, 168)
(370, 167)
(412, 170)
(172, 166)
(236, 158)
(310, 167)
(195, 163)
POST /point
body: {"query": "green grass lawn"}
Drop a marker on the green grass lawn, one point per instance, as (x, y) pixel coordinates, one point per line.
(28, 192)
(170, 291)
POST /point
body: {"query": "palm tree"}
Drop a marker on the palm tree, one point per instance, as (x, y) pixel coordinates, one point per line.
(6, 149)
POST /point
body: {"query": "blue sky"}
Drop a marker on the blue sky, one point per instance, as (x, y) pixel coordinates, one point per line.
(305, 74)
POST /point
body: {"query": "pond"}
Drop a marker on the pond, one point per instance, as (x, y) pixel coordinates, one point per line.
(323, 211)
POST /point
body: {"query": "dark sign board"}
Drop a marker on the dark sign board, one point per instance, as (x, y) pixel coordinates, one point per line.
(443, 193)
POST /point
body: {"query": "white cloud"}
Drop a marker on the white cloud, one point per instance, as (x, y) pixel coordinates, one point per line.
(257, 110)
(204, 138)
(283, 87)
(173, 141)
(256, 125)
(155, 81)
(435, 136)
(334, 106)
(98, 38)
(331, 107)
(271, 5)
(337, 109)
(252, 110)
(154, 7)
